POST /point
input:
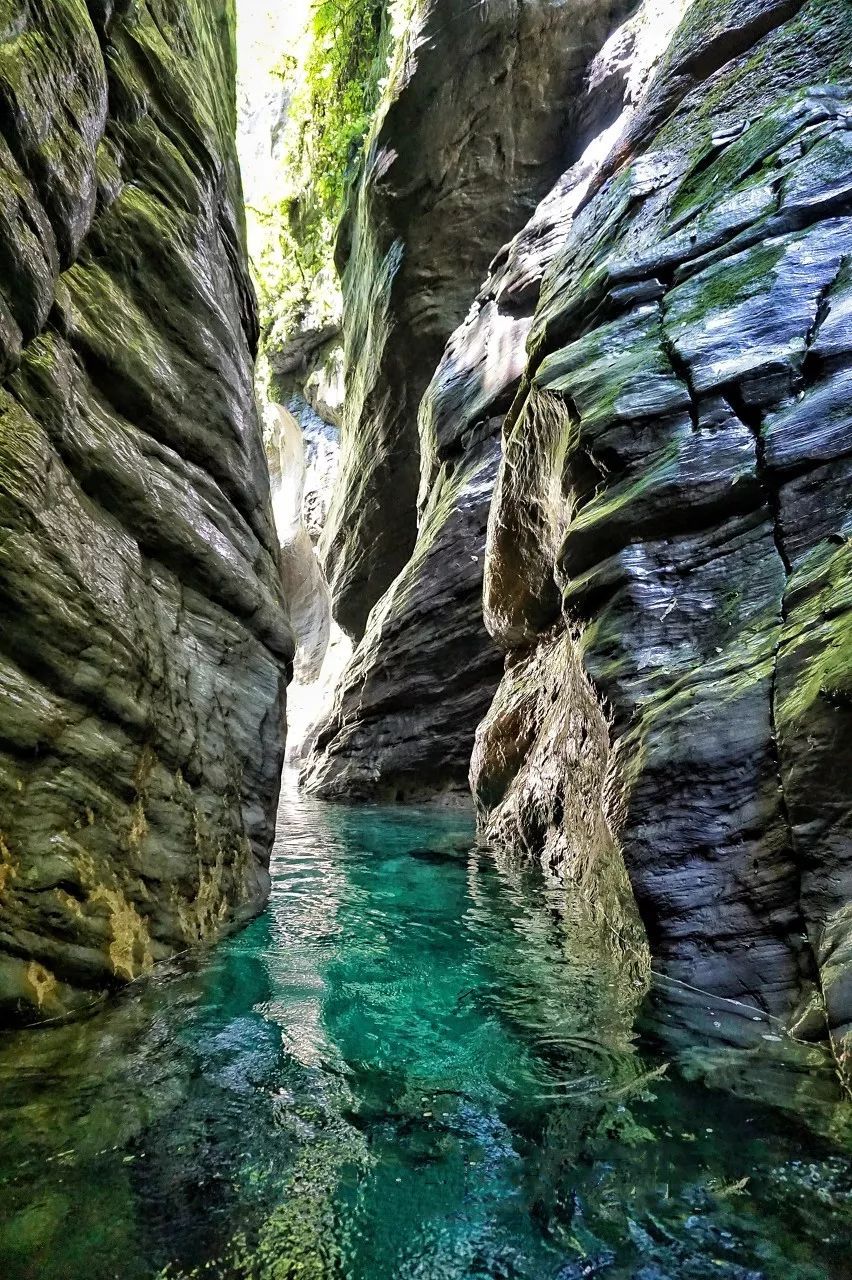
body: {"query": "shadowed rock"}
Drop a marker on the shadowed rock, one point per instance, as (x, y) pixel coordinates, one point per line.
(483, 106)
(426, 668)
(144, 648)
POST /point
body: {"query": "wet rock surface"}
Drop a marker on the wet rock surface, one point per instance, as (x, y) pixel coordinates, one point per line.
(408, 702)
(426, 669)
(673, 499)
(304, 584)
(483, 103)
(144, 647)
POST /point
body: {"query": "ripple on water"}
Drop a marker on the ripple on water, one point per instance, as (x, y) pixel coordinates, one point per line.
(416, 1065)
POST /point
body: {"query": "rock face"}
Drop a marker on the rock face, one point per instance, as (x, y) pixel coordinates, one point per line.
(426, 669)
(409, 700)
(304, 582)
(669, 543)
(144, 648)
(480, 118)
(307, 379)
(302, 457)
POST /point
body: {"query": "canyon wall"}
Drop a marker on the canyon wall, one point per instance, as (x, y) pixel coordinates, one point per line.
(426, 669)
(670, 530)
(299, 376)
(485, 112)
(474, 127)
(654, 378)
(145, 648)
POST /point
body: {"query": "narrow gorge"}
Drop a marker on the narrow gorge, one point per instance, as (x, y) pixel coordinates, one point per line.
(426, 648)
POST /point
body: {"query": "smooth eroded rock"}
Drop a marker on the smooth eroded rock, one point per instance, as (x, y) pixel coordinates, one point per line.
(145, 648)
(483, 106)
(674, 493)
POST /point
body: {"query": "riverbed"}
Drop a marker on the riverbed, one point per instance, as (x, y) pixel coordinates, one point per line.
(415, 1065)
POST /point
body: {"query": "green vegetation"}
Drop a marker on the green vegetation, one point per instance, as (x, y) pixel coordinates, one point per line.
(723, 286)
(340, 93)
(331, 79)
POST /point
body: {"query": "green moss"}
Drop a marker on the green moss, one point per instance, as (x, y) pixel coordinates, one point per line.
(729, 609)
(742, 164)
(333, 80)
(342, 79)
(761, 86)
(724, 286)
(819, 639)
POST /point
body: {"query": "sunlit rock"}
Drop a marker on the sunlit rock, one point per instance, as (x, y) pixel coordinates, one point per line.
(304, 582)
(426, 668)
(483, 104)
(673, 499)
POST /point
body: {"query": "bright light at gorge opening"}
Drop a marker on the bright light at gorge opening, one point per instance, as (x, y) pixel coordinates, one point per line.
(270, 42)
(300, 307)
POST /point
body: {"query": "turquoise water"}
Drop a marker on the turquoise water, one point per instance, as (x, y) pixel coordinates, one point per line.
(414, 1066)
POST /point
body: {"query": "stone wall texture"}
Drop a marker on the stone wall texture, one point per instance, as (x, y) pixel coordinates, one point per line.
(144, 646)
(638, 440)
(674, 503)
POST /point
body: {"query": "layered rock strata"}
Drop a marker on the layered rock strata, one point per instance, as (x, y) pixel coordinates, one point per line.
(669, 540)
(144, 650)
(302, 461)
(306, 377)
(426, 670)
(408, 702)
(479, 118)
(305, 587)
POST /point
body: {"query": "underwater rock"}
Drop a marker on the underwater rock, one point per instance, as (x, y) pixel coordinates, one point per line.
(145, 648)
(674, 500)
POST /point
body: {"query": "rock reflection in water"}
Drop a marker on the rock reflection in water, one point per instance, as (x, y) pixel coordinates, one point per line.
(417, 1064)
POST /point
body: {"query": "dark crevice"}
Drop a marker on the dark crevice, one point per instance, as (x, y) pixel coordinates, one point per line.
(752, 417)
(681, 370)
(821, 313)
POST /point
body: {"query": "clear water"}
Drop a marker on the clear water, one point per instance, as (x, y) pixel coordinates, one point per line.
(414, 1065)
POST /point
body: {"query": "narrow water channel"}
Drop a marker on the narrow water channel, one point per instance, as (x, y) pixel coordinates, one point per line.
(410, 1067)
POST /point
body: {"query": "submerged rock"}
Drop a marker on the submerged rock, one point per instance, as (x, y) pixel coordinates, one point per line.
(144, 649)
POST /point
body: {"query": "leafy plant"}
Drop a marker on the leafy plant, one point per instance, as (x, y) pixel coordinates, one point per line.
(334, 86)
(342, 80)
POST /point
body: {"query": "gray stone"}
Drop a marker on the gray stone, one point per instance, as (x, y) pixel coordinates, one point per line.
(673, 502)
(426, 669)
(471, 135)
(145, 647)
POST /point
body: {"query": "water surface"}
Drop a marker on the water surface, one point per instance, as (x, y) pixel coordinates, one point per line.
(413, 1066)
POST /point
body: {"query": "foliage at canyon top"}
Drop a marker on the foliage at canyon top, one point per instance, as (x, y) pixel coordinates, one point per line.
(317, 71)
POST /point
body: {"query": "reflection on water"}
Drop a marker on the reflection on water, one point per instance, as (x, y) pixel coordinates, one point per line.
(416, 1064)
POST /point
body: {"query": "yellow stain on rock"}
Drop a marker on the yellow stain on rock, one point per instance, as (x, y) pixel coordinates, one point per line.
(138, 825)
(7, 866)
(130, 949)
(201, 918)
(42, 982)
(130, 952)
(222, 871)
(70, 904)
